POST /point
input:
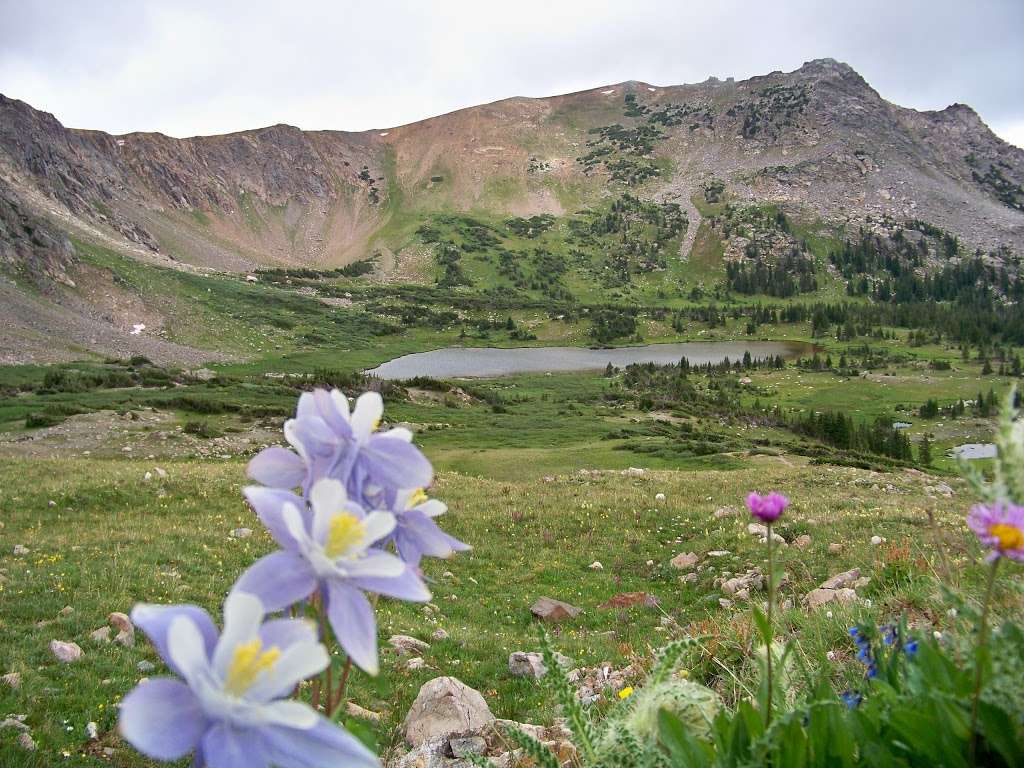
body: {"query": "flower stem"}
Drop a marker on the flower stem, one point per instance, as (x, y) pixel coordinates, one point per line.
(982, 640)
(339, 696)
(771, 600)
(328, 686)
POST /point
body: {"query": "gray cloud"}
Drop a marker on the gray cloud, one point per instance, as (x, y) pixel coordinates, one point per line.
(191, 67)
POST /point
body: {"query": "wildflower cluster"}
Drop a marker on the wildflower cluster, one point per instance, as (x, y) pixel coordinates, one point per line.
(347, 508)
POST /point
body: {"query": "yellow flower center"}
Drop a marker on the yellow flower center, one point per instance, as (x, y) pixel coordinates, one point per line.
(346, 531)
(417, 498)
(248, 662)
(1009, 536)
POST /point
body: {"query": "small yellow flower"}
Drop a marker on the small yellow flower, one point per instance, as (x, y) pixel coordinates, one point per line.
(626, 692)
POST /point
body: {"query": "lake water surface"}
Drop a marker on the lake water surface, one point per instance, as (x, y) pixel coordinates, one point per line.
(453, 362)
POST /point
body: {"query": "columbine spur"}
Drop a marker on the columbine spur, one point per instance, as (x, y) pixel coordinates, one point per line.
(230, 705)
(329, 548)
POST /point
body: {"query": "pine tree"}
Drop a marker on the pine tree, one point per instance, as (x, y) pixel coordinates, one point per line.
(924, 451)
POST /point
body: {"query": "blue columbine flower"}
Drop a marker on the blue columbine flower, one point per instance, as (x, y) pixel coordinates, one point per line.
(331, 442)
(331, 547)
(851, 699)
(910, 649)
(416, 534)
(230, 706)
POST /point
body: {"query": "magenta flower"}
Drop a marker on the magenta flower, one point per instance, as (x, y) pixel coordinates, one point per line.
(768, 508)
(1000, 527)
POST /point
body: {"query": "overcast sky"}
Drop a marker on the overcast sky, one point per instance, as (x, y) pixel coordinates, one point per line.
(187, 67)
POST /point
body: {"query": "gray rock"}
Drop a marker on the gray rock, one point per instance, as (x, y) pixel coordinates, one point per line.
(241, 533)
(404, 644)
(445, 706)
(146, 667)
(65, 652)
(840, 580)
(549, 609)
(683, 561)
(468, 745)
(12, 680)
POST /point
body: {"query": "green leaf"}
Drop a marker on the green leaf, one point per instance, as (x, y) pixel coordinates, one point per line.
(1001, 733)
(763, 627)
(683, 747)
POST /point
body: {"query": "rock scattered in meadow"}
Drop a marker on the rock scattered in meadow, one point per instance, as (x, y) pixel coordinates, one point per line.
(65, 652)
(844, 579)
(240, 533)
(596, 566)
(146, 667)
(125, 628)
(629, 600)
(406, 645)
(20, 550)
(549, 609)
(531, 663)
(684, 561)
(802, 541)
(445, 706)
(101, 635)
(12, 680)
(354, 710)
(439, 634)
(26, 742)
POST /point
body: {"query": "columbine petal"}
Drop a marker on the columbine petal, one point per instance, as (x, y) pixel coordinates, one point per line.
(367, 414)
(328, 498)
(286, 632)
(351, 617)
(277, 467)
(268, 504)
(378, 525)
(279, 580)
(375, 563)
(296, 663)
(432, 508)
(186, 649)
(324, 746)
(396, 463)
(155, 621)
(162, 719)
(407, 586)
(243, 614)
(225, 746)
(290, 714)
(398, 433)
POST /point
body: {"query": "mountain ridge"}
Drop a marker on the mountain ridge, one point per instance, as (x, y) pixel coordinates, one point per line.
(818, 143)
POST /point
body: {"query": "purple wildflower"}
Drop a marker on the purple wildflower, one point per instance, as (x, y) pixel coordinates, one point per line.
(330, 548)
(1000, 527)
(230, 708)
(768, 508)
(416, 534)
(330, 441)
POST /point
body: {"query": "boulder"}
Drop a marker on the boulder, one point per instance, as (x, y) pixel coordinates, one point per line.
(445, 706)
(527, 664)
(803, 541)
(683, 561)
(467, 745)
(549, 609)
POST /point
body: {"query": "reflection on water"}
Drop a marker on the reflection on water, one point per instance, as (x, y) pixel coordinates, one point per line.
(975, 451)
(452, 362)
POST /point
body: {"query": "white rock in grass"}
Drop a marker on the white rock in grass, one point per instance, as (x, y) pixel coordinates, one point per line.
(596, 566)
(876, 540)
(659, 497)
(65, 652)
(20, 549)
(445, 706)
(241, 533)
(101, 635)
(12, 680)
(26, 742)
(160, 472)
(439, 634)
(92, 731)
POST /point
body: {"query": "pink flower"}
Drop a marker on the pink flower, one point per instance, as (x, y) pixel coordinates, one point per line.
(1000, 527)
(768, 508)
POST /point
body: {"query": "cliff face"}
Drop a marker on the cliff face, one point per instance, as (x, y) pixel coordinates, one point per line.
(818, 139)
